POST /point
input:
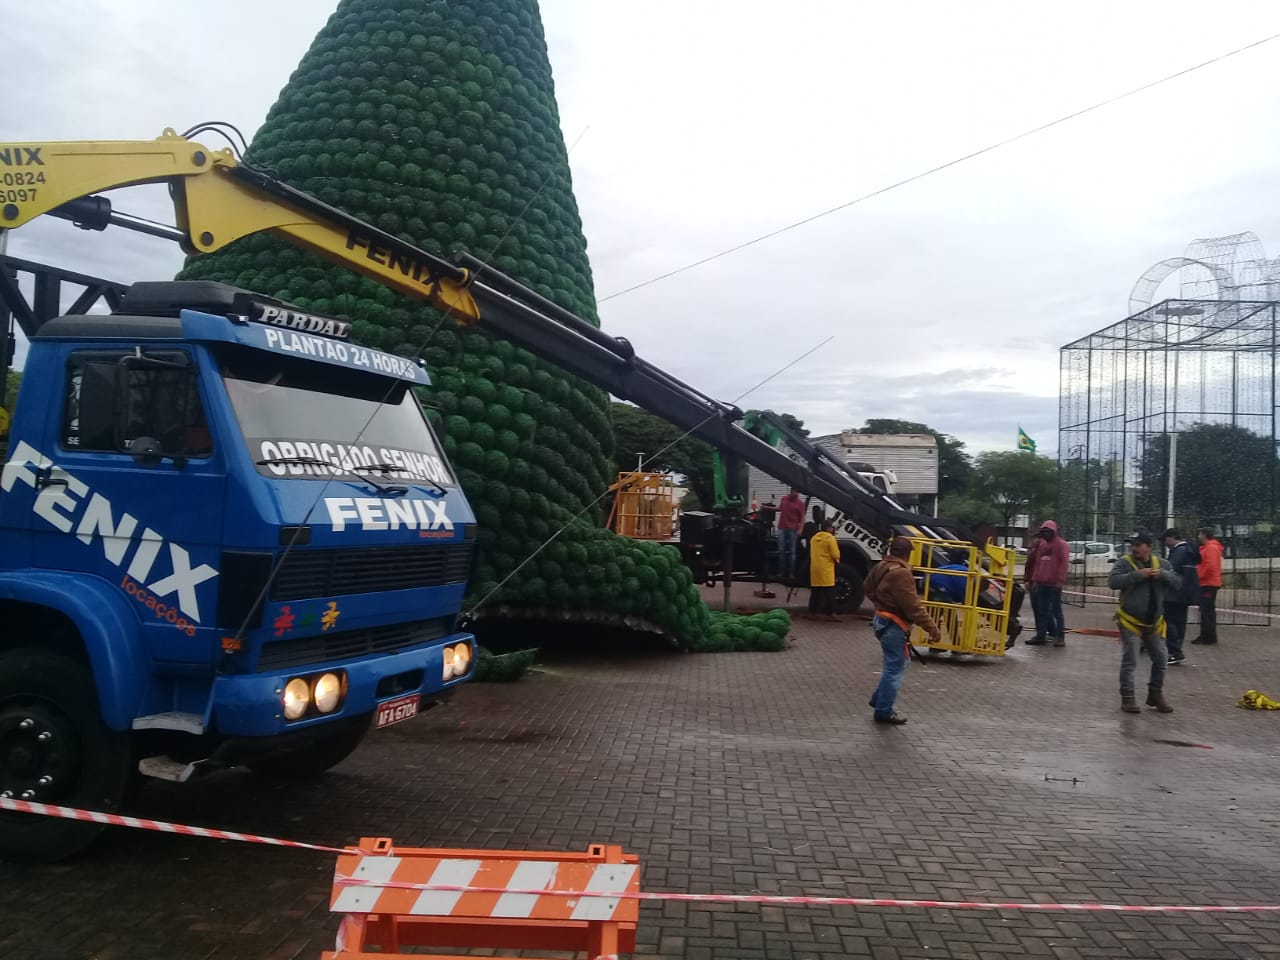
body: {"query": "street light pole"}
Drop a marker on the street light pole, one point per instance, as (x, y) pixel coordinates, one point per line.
(1173, 474)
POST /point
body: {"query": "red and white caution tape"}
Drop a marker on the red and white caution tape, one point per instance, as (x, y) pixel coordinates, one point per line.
(1110, 598)
(780, 900)
(161, 826)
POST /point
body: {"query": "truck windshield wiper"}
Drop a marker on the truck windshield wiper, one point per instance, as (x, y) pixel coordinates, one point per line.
(314, 461)
(380, 468)
(317, 462)
(385, 468)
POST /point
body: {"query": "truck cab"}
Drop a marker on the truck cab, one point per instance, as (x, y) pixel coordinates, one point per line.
(228, 535)
(882, 480)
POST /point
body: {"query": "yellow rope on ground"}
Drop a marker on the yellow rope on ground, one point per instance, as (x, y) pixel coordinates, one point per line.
(1254, 700)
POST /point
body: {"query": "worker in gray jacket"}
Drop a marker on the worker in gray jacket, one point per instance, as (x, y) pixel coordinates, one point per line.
(1142, 581)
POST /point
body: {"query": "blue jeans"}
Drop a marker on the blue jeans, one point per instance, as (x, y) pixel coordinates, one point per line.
(1129, 659)
(1046, 605)
(787, 540)
(893, 643)
(1175, 615)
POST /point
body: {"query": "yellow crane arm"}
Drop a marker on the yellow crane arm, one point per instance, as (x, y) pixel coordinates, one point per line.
(217, 200)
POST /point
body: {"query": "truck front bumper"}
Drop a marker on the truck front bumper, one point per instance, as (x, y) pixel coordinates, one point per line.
(252, 705)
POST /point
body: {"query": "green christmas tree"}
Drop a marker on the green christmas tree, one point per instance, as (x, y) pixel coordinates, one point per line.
(438, 123)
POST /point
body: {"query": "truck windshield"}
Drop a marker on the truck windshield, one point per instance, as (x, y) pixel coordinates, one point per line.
(309, 420)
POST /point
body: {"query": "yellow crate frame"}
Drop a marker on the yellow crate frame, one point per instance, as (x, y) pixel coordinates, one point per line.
(966, 627)
(644, 505)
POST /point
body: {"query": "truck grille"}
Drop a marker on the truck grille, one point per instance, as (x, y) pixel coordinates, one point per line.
(304, 651)
(305, 574)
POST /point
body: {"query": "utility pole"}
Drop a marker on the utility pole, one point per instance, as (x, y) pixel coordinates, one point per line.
(1173, 473)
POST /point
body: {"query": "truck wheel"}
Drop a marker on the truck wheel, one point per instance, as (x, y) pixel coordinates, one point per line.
(318, 756)
(849, 591)
(54, 748)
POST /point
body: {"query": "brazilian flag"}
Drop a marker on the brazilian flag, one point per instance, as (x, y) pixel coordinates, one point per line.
(1025, 442)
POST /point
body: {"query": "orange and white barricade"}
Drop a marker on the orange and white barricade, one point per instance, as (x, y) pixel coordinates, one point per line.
(392, 897)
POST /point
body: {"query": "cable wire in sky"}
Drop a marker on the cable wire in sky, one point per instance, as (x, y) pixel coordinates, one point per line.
(940, 167)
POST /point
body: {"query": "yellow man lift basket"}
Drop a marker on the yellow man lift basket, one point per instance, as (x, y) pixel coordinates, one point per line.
(968, 590)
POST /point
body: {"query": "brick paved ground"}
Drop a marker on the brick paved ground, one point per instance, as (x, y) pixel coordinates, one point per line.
(755, 772)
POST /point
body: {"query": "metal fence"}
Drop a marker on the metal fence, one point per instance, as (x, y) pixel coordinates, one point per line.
(1168, 418)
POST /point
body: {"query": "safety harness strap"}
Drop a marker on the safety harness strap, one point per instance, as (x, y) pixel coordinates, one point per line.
(1132, 623)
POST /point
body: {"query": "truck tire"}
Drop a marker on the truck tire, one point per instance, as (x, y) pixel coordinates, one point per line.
(54, 748)
(314, 759)
(849, 590)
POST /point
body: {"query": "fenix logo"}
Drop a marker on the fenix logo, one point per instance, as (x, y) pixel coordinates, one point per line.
(71, 506)
(376, 513)
(21, 157)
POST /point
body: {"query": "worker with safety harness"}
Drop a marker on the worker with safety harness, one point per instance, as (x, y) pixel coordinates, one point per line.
(891, 588)
(1142, 581)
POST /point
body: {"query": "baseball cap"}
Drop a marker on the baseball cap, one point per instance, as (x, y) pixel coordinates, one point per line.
(1139, 537)
(899, 546)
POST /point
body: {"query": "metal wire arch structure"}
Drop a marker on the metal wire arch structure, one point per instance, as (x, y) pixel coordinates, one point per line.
(1170, 418)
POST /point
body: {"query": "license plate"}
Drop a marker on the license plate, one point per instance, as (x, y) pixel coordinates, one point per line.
(393, 711)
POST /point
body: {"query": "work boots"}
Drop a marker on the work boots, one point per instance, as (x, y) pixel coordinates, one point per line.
(1129, 703)
(1155, 698)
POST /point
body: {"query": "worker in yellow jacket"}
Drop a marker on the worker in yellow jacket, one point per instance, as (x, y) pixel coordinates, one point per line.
(824, 554)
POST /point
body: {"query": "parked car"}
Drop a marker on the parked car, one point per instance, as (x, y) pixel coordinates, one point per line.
(1095, 550)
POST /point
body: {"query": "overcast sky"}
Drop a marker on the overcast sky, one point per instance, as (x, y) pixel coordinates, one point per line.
(711, 123)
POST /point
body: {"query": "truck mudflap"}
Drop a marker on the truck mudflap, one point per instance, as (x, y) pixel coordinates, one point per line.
(252, 705)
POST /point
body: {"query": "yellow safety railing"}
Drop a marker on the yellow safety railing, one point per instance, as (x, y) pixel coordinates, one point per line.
(967, 590)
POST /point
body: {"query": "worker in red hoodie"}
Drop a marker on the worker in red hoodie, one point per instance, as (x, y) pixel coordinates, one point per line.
(1045, 575)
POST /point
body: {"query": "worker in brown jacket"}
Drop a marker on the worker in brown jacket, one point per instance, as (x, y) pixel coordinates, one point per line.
(891, 588)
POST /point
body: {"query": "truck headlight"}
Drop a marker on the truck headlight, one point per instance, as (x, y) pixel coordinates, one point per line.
(327, 693)
(297, 695)
(457, 659)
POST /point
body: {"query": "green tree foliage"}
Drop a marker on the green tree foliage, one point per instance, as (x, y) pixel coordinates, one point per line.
(791, 422)
(437, 122)
(1013, 483)
(1224, 475)
(955, 468)
(1091, 499)
(637, 432)
(971, 510)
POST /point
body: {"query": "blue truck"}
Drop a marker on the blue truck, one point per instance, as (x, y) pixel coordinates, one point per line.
(221, 541)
